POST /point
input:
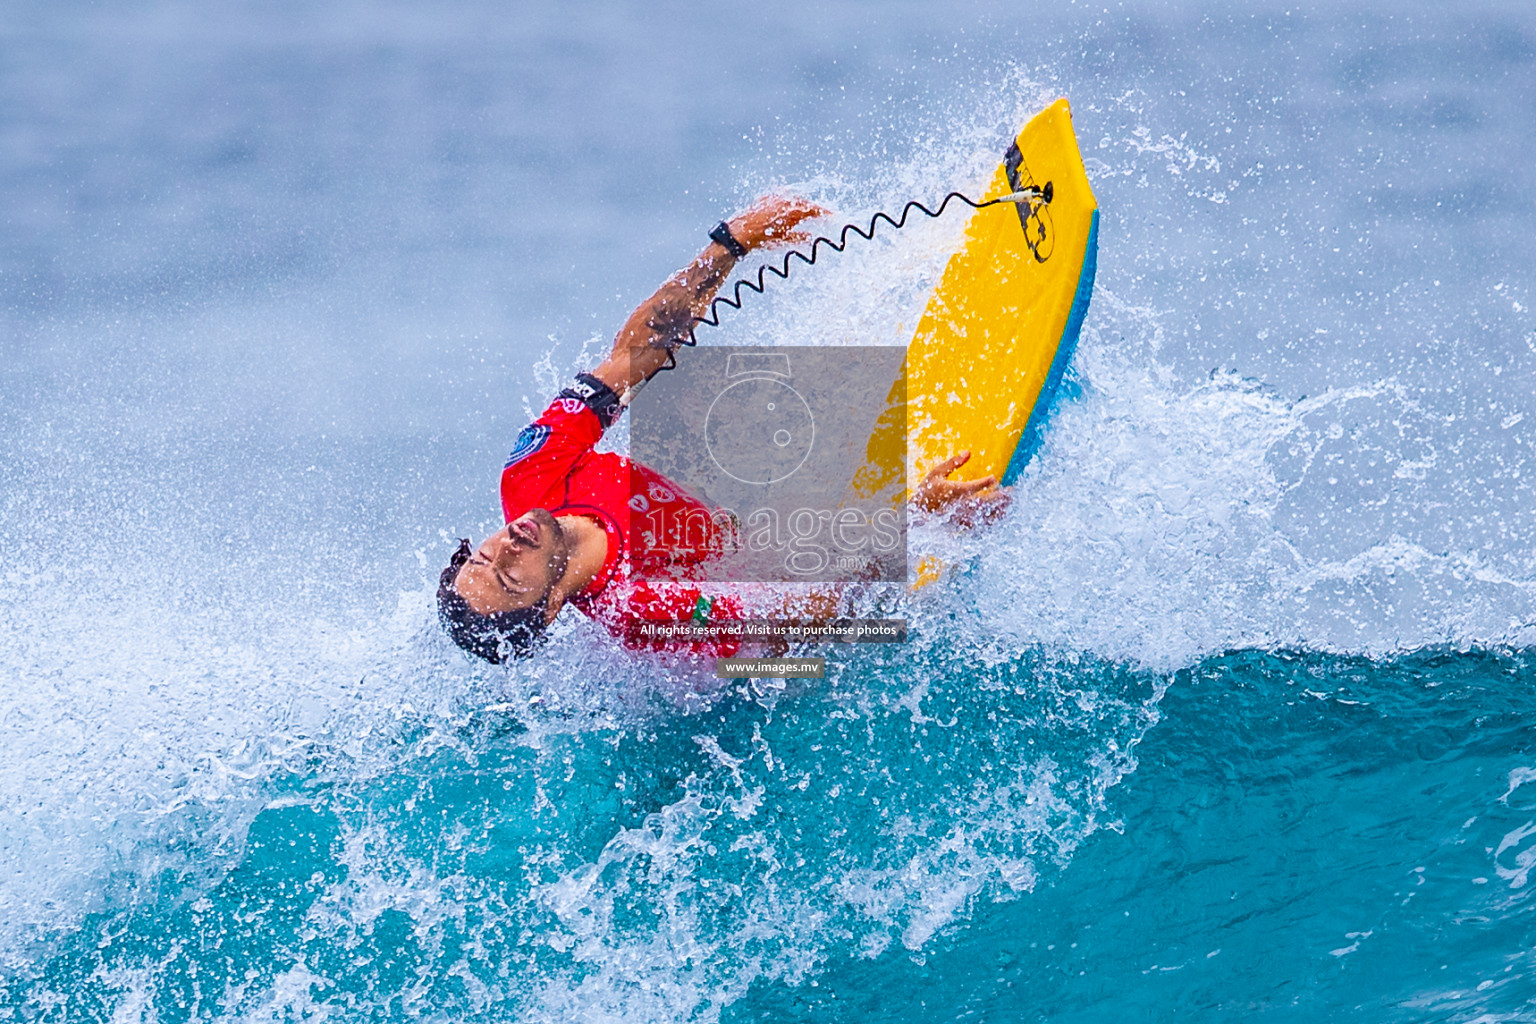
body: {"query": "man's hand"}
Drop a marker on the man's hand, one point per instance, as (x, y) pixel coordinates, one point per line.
(771, 220)
(665, 319)
(967, 502)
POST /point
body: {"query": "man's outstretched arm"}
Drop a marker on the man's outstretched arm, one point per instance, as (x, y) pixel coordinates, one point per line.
(664, 320)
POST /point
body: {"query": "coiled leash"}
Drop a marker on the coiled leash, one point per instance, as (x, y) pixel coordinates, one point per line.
(1031, 195)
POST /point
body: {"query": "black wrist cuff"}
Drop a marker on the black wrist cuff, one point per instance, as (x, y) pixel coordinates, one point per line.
(722, 233)
(597, 396)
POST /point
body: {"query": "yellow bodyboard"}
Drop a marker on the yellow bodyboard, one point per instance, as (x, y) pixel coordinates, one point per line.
(998, 332)
(994, 341)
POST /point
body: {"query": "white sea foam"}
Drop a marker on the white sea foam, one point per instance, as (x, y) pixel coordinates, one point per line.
(146, 740)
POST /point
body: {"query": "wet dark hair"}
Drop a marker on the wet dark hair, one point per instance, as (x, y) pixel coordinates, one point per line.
(517, 633)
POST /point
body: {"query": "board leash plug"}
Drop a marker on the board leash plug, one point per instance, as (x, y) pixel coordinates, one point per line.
(1026, 195)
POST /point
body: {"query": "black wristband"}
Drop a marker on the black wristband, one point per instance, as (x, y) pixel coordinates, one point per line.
(722, 233)
(597, 396)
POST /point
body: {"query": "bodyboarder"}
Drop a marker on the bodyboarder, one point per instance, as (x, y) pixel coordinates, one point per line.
(568, 536)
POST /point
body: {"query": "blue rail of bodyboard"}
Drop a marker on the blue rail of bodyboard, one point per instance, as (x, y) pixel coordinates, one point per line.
(1029, 441)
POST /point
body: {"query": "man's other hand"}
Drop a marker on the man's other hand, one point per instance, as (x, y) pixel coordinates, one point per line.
(966, 502)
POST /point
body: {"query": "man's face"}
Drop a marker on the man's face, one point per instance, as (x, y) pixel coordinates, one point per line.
(515, 567)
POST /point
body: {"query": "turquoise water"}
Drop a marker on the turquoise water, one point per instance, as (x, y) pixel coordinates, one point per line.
(1229, 717)
(1303, 835)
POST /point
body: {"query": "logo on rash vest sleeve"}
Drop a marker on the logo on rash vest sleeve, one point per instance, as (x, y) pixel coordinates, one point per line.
(529, 441)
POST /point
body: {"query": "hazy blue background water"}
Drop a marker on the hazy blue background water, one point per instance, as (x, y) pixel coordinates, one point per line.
(1231, 715)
